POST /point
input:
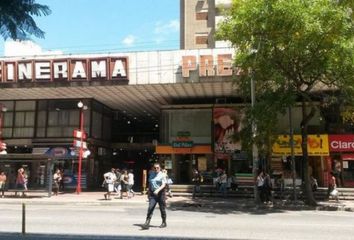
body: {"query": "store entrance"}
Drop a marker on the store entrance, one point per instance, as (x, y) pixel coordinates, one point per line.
(35, 171)
(185, 169)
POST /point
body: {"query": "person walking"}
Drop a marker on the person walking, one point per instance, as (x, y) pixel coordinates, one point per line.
(21, 181)
(124, 184)
(117, 183)
(131, 192)
(61, 181)
(56, 181)
(267, 188)
(109, 179)
(332, 187)
(2, 183)
(197, 179)
(168, 183)
(223, 183)
(260, 186)
(156, 194)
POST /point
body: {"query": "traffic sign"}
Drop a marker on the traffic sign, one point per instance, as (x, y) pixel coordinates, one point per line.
(77, 143)
(3, 146)
(79, 134)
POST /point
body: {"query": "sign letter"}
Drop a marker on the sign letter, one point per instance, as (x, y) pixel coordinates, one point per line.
(188, 64)
(42, 70)
(60, 70)
(24, 71)
(98, 69)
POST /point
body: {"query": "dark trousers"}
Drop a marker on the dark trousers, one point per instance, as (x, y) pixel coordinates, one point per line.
(161, 200)
(196, 189)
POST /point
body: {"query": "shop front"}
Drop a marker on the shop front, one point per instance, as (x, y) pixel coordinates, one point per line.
(37, 168)
(318, 152)
(341, 159)
(202, 139)
(185, 142)
(180, 162)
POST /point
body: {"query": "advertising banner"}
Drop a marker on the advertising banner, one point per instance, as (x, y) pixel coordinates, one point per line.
(227, 124)
(317, 145)
(341, 143)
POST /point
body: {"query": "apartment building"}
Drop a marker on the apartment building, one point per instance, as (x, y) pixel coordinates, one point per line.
(199, 20)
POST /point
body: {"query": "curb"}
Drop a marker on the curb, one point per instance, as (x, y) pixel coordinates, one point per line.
(187, 203)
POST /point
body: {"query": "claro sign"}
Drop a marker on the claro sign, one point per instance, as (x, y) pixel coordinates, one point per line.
(73, 69)
(341, 143)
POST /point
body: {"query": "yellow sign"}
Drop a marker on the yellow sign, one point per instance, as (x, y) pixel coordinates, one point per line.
(317, 145)
(202, 164)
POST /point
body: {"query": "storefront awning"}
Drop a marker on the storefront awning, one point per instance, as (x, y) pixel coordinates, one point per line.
(348, 157)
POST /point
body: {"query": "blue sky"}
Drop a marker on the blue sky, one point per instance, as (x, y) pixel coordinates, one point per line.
(92, 26)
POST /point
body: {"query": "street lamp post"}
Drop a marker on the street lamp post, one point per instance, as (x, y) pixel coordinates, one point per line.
(3, 109)
(82, 107)
(292, 153)
(254, 146)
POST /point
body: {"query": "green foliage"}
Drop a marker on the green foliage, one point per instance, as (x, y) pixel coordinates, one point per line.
(291, 49)
(16, 21)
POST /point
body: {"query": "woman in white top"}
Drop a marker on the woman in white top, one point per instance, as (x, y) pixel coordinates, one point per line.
(109, 179)
(130, 184)
(260, 185)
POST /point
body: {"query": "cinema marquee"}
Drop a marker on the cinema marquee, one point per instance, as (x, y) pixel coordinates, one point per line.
(61, 70)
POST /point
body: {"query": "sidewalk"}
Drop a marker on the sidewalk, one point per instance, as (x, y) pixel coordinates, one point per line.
(235, 204)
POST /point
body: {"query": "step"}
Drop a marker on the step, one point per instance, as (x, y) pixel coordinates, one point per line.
(247, 192)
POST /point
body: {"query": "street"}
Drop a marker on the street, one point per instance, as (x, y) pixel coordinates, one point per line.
(90, 221)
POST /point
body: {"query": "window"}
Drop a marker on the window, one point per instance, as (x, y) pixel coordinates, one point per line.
(201, 16)
(24, 122)
(201, 39)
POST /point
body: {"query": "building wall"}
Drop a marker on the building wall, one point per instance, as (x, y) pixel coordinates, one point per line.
(199, 20)
(197, 24)
(152, 67)
(30, 119)
(195, 121)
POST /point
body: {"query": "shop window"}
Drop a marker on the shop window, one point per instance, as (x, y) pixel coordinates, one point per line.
(8, 119)
(54, 132)
(53, 118)
(25, 105)
(23, 132)
(40, 132)
(97, 125)
(201, 40)
(7, 132)
(41, 118)
(201, 16)
(8, 104)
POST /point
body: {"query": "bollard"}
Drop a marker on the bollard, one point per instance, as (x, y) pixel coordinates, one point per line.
(23, 218)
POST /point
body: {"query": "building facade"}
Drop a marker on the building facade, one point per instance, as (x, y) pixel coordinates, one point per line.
(198, 23)
(137, 103)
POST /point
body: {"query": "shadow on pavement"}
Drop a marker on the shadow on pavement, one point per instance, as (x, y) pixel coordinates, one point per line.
(222, 206)
(247, 205)
(10, 236)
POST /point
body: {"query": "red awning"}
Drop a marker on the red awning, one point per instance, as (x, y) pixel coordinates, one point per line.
(348, 157)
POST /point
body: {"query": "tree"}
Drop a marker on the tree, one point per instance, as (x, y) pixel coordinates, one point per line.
(16, 21)
(295, 51)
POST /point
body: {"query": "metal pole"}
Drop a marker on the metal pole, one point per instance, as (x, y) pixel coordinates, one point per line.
(23, 218)
(50, 177)
(2, 110)
(78, 188)
(292, 152)
(254, 146)
(1, 113)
